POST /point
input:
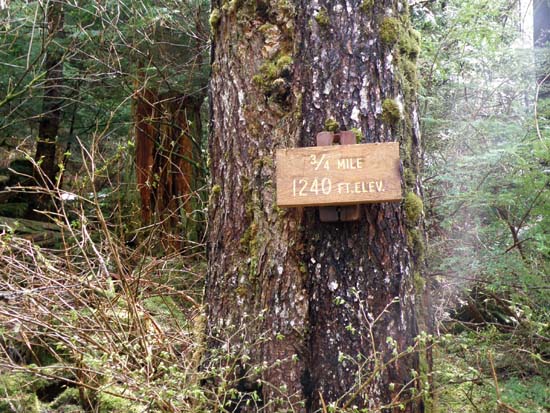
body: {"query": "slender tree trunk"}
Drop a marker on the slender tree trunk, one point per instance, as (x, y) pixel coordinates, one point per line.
(541, 20)
(328, 308)
(50, 119)
(541, 36)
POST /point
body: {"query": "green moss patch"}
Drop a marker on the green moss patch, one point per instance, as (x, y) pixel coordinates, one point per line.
(367, 6)
(322, 18)
(358, 134)
(332, 125)
(409, 44)
(391, 111)
(216, 189)
(413, 207)
(274, 75)
(390, 31)
(214, 20)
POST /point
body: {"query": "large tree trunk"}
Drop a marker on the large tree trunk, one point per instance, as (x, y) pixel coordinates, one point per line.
(325, 306)
(48, 129)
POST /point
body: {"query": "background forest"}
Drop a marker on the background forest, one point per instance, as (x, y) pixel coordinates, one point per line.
(102, 219)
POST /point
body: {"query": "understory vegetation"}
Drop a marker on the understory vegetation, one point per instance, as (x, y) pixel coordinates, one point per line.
(101, 280)
(485, 127)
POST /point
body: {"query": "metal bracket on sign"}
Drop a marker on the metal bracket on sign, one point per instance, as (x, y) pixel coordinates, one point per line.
(338, 213)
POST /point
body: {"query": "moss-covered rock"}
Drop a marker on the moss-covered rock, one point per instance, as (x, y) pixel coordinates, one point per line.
(4, 178)
(22, 403)
(69, 400)
(18, 392)
(14, 209)
(114, 404)
(166, 310)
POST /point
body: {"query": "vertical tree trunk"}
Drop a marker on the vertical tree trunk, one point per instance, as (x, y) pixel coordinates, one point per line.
(50, 119)
(167, 131)
(541, 36)
(146, 135)
(541, 20)
(325, 306)
(168, 126)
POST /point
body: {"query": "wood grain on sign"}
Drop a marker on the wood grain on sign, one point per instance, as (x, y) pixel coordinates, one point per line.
(338, 175)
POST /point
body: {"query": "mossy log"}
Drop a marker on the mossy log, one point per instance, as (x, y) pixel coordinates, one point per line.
(43, 234)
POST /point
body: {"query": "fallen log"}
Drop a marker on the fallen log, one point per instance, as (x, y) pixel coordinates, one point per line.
(44, 234)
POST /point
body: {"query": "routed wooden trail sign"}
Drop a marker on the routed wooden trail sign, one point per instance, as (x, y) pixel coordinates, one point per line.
(338, 175)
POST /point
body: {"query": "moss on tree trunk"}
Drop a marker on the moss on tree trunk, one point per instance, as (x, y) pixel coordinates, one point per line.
(325, 306)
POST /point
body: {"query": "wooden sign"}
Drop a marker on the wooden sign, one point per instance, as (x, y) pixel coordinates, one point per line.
(338, 175)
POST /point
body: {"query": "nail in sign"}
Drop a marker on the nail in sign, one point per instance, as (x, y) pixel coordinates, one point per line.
(338, 175)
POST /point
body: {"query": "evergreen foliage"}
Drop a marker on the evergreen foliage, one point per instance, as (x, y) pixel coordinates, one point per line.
(487, 199)
(95, 318)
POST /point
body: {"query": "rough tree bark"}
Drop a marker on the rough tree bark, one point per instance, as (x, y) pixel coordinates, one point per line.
(48, 129)
(168, 126)
(325, 307)
(167, 131)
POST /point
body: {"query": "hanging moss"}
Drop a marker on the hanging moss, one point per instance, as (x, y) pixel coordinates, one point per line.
(214, 20)
(415, 240)
(409, 44)
(391, 111)
(406, 76)
(408, 69)
(332, 125)
(321, 17)
(389, 31)
(419, 283)
(410, 178)
(413, 207)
